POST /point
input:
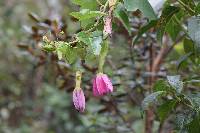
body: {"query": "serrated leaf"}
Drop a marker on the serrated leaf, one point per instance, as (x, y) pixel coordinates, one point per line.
(143, 5)
(151, 99)
(83, 37)
(165, 18)
(176, 83)
(194, 126)
(122, 16)
(188, 121)
(165, 109)
(161, 85)
(195, 100)
(67, 52)
(183, 119)
(85, 14)
(144, 29)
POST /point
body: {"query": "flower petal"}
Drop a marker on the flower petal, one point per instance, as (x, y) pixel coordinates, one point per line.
(108, 83)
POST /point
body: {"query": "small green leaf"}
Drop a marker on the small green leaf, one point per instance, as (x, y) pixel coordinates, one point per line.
(183, 59)
(151, 99)
(122, 16)
(64, 50)
(197, 9)
(85, 14)
(165, 109)
(83, 37)
(48, 47)
(144, 29)
(173, 28)
(161, 85)
(86, 4)
(143, 5)
(165, 18)
(188, 45)
(176, 83)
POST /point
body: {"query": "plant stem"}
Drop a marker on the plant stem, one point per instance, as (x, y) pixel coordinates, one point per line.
(184, 5)
(102, 56)
(78, 79)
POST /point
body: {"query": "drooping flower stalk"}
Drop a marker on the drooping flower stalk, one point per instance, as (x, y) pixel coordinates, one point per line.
(78, 94)
(102, 56)
(101, 83)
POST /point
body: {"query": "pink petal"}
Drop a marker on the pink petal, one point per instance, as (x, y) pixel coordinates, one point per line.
(95, 90)
(108, 83)
(79, 99)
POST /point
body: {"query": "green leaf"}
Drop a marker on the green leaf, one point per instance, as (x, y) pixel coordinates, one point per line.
(96, 44)
(86, 4)
(165, 109)
(197, 9)
(194, 126)
(176, 83)
(161, 85)
(48, 47)
(122, 16)
(189, 5)
(144, 29)
(194, 30)
(183, 59)
(143, 5)
(183, 119)
(195, 100)
(165, 18)
(85, 14)
(64, 50)
(83, 37)
(188, 45)
(173, 28)
(188, 121)
(152, 98)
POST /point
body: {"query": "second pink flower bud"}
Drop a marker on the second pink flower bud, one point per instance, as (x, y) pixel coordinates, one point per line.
(102, 85)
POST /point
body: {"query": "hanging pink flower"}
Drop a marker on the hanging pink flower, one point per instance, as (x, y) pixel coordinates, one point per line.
(79, 99)
(108, 26)
(102, 85)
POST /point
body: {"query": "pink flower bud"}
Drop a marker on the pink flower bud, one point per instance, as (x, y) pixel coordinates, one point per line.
(108, 26)
(102, 85)
(79, 99)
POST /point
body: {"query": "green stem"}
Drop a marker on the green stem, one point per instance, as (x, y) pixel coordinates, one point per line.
(78, 79)
(102, 56)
